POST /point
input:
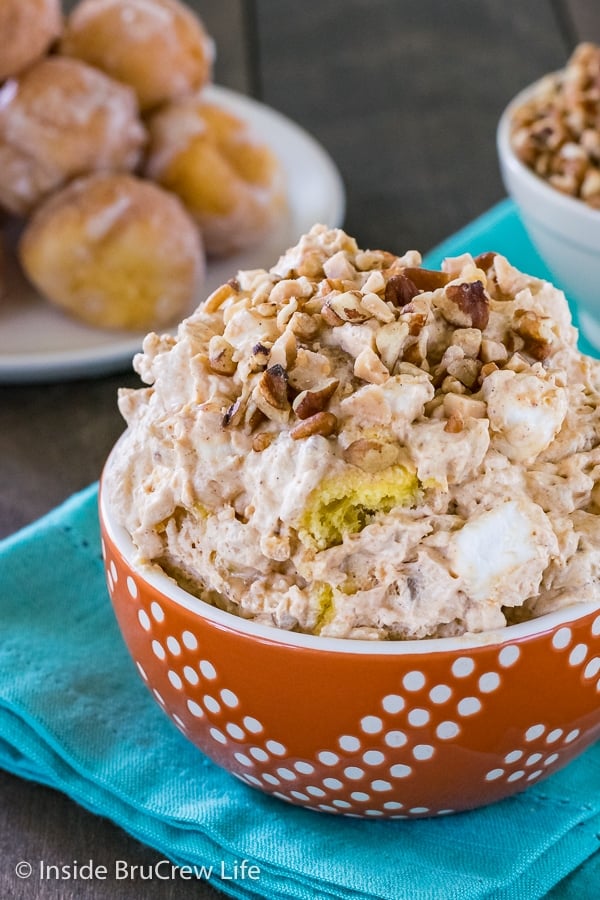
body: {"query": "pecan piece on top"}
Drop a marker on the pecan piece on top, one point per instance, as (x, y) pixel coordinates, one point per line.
(537, 334)
(426, 279)
(400, 290)
(323, 423)
(273, 386)
(347, 306)
(469, 305)
(220, 355)
(307, 403)
(234, 413)
(485, 260)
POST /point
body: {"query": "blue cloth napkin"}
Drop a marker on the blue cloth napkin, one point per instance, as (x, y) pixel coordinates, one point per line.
(75, 715)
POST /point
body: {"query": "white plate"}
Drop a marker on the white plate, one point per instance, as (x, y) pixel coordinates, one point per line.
(39, 343)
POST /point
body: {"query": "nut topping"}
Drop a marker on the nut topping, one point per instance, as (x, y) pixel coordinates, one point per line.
(348, 307)
(220, 355)
(323, 423)
(400, 290)
(537, 334)
(426, 279)
(485, 260)
(471, 305)
(234, 413)
(271, 394)
(308, 403)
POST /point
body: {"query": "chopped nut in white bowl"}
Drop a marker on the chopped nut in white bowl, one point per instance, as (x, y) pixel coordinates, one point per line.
(548, 143)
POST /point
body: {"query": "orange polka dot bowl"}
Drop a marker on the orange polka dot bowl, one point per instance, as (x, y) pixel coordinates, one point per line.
(360, 728)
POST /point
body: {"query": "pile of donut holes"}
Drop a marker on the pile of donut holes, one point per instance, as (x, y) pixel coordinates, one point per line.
(122, 176)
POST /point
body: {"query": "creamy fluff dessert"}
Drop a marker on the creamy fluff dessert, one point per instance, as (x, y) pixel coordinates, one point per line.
(352, 445)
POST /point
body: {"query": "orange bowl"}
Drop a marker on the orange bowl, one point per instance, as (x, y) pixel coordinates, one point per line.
(396, 729)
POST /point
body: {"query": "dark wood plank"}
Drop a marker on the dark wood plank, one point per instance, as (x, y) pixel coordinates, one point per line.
(39, 825)
(406, 97)
(584, 17)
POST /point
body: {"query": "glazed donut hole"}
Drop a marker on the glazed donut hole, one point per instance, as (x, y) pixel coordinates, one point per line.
(159, 47)
(116, 252)
(28, 29)
(114, 231)
(231, 183)
(62, 118)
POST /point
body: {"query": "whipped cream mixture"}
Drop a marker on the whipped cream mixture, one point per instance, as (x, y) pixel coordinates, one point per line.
(354, 446)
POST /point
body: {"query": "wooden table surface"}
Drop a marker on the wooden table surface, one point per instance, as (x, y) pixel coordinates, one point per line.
(405, 96)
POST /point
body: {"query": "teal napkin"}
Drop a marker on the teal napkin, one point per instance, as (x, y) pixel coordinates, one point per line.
(75, 715)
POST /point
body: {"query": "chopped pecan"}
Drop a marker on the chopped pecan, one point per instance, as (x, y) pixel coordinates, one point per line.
(323, 423)
(262, 440)
(377, 307)
(330, 317)
(472, 308)
(220, 295)
(536, 332)
(348, 307)
(254, 417)
(400, 290)
(416, 323)
(234, 413)
(371, 455)
(307, 403)
(426, 279)
(260, 356)
(273, 386)
(303, 326)
(485, 260)
(220, 355)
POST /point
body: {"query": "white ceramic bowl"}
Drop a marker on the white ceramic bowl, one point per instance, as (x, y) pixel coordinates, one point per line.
(565, 230)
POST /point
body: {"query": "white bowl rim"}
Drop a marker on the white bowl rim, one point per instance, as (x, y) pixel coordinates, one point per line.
(568, 204)
(164, 584)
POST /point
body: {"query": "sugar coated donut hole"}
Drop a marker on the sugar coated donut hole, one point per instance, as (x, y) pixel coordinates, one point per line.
(27, 28)
(115, 251)
(159, 47)
(62, 118)
(230, 182)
